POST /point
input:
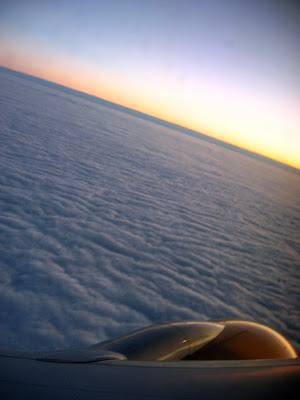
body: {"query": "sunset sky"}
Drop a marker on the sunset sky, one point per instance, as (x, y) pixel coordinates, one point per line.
(229, 69)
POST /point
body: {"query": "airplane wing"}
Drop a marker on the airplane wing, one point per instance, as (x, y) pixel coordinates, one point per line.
(184, 360)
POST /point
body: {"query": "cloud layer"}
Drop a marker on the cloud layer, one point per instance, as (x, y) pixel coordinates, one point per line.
(110, 223)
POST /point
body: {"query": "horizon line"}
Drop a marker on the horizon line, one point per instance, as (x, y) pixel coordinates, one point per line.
(142, 115)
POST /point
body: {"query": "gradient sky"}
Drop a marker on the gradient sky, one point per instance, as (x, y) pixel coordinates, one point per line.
(228, 68)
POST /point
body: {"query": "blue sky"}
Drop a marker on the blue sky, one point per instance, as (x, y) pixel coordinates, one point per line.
(228, 68)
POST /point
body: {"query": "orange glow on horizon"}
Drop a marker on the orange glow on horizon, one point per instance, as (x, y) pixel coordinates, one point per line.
(166, 105)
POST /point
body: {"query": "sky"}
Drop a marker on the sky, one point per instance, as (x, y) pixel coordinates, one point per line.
(229, 69)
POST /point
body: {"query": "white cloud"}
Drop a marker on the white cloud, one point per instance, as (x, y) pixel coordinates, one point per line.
(110, 223)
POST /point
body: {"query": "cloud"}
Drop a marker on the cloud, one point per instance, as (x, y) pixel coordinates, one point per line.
(111, 223)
